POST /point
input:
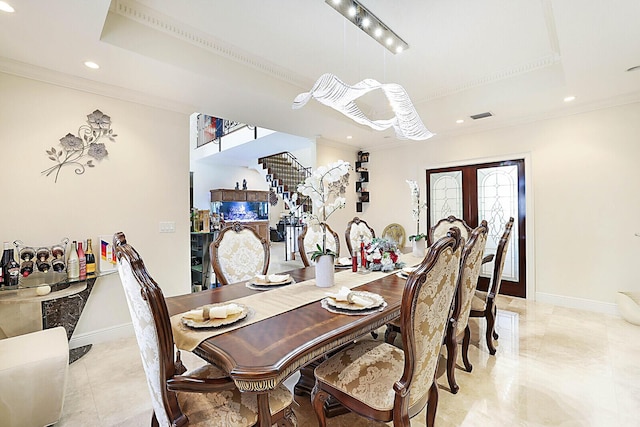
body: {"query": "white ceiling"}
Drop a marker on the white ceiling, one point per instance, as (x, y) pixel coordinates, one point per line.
(246, 60)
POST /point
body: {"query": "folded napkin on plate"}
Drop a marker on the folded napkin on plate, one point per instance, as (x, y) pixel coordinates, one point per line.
(272, 278)
(344, 261)
(345, 294)
(409, 270)
(208, 312)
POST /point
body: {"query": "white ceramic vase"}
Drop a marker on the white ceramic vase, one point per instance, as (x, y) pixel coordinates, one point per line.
(418, 248)
(325, 271)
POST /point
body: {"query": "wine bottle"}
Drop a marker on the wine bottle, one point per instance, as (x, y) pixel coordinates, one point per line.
(10, 268)
(58, 258)
(3, 261)
(42, 257)
(73, 263)
(82, 262)
(91, 258)
(26, 266)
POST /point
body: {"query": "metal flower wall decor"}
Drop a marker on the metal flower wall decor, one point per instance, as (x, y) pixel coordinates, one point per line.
(80, 151)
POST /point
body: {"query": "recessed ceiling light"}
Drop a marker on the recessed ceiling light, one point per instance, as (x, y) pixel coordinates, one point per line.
(92, 65)
(366, 22)
(349, 137)
(399, 49)
(569, 98)
(378, 32)
(352, 11)
(636, 68)
(459, 121)
(389, 41)
(336, 1)
(6, 7)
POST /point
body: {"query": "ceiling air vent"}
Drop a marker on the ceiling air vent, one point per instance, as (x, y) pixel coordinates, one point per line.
(481, 115)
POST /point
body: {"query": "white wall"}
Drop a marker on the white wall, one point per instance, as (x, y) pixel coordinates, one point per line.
(583, 196)
(144, 180)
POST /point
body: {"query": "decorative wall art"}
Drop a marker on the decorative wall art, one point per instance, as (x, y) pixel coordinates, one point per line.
(80, 151)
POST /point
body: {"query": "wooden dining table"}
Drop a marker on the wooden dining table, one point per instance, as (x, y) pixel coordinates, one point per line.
(261, 355)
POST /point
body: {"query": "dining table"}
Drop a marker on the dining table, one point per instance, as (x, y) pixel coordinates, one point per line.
(260, 353)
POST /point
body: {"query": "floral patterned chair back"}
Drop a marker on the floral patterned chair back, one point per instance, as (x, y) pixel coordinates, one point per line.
(358, 230)
(429, 292)
(239, 254)
(155, 343)
(441, 228)
(311, 237)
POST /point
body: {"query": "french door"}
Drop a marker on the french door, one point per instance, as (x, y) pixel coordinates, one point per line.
(493, 192)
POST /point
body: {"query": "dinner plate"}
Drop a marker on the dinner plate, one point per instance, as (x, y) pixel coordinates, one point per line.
(266, 287)
(255, 283)
(324, 303)
(375, 302)
(216, 323)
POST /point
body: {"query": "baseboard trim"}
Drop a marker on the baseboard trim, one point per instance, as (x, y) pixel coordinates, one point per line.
(102, 335)
(579, 303)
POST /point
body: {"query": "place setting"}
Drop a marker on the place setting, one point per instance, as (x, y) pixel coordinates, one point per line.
(354, 303)
(342, 263)
(265, 282)
(405, 272)
(215, 315)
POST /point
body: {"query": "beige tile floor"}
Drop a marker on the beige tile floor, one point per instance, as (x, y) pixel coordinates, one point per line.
(554, 367)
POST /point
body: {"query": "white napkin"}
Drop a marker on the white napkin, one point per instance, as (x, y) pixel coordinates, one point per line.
(196, 315)
(272, 278)
(223, 311)
(345, 294)
(344, 261)
(409, 270)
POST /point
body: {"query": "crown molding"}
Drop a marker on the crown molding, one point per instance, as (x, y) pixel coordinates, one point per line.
(33, 72)
(153, 19)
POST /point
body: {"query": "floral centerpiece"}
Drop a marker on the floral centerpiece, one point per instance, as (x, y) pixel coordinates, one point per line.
(325, 187)
(383, 255)
(416, 208)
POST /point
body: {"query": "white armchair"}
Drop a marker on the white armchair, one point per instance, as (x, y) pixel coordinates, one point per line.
(33, 378)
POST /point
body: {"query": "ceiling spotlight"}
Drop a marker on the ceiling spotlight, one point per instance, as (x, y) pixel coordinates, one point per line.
(6, 7)
(92, 65)
(459, 121)
(569, 98)
(399, 49)
(349, 137)
(368, 22)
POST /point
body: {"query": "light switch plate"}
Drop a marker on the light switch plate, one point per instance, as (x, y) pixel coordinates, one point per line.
(167, 227)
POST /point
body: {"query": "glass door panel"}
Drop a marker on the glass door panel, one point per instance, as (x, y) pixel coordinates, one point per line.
(497, 202)
(445, 195)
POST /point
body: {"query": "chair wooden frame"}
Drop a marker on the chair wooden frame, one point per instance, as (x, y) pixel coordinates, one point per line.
(303, 250)
(446, 224)
(451, 337)
(347, 233)
(451, 221)
(171, 366)
(401, 411)
(490, 309)
(216, 262)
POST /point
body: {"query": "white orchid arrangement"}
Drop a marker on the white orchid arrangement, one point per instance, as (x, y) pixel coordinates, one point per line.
(325, 188)
(416, 209)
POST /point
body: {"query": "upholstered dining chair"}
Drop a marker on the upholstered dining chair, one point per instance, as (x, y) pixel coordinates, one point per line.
(483, 303)
(458, 325)
(396, 233)
(205, 396)
(385, 383)
(440, 229)
(311, 237)
(358, 230)
(238, 254)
